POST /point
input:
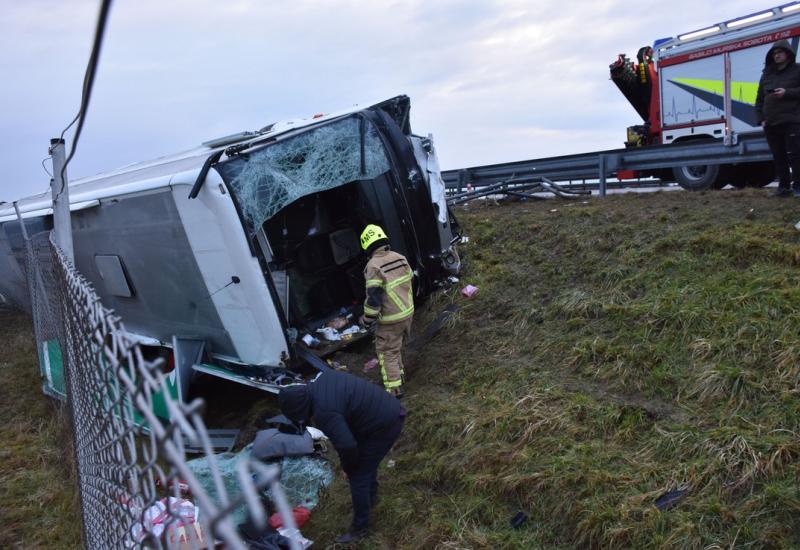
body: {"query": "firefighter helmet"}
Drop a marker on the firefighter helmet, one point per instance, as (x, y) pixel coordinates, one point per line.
(372, 234)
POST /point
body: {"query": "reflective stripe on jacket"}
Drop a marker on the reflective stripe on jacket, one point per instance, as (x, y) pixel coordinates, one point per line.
(389, 282)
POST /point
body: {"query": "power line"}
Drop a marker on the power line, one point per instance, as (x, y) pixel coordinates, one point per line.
(88, 82)
(45, 167)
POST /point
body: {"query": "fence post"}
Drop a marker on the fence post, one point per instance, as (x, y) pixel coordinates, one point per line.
(602, 176)
(62, 226)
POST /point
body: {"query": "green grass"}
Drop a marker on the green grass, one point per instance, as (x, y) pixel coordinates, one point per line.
(38, 495)
(616, 350)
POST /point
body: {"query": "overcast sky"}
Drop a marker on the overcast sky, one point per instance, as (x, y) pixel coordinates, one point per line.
(494, 81)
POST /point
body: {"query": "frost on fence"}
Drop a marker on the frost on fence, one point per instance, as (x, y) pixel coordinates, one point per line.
(319, 159)
(135, 487)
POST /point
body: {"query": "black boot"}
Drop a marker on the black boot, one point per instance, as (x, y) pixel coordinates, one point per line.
(781, 192)
(351, 537)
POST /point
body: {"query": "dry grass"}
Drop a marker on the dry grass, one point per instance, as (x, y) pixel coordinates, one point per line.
(615, 351)
(38, 497)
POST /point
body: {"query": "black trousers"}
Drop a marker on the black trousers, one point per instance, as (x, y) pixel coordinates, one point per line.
(784, 143)
(364, 476)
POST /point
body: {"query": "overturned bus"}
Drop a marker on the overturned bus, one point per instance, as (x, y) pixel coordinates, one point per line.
(222, 258)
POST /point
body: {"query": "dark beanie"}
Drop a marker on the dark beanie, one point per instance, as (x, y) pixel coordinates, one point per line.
(295, 403)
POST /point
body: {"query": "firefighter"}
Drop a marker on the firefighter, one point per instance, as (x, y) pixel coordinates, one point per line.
(361, 421)
(778, 110)
(389, 303)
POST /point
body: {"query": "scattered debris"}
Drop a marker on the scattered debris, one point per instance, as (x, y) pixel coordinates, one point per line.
(266, 538)
(554, 210)
(296, 536)
(273, 443)
(371, 364)
(750, 214)
(518, 519)
(671, 498)
(177, 516)
(183, 488)
(469, 291)
(316, 434)
(310, 341)
(302, 478)
(390, 463)
(521, 189)
(338, 323)
(301, 516)
(221, 441)
(433, 329)
(797, 226)
(330, 334)
(452, 280)
(336, 365)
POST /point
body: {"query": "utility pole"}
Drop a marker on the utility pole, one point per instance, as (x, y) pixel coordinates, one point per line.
(62, 224)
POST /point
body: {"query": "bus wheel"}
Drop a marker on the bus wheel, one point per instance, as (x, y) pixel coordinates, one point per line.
(696, 178)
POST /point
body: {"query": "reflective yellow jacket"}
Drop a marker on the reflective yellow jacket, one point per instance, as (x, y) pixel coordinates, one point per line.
(390, 294)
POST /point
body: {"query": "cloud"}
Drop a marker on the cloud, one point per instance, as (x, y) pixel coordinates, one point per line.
(493, 80)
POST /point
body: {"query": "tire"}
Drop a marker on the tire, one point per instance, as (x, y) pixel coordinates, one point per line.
(696, 178)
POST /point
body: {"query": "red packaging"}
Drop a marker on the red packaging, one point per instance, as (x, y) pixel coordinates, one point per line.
(301, 516)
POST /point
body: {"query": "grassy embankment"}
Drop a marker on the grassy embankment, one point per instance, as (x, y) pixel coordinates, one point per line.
(38, 495)
(616, 350)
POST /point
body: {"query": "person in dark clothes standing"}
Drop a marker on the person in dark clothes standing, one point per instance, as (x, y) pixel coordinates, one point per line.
(778, 111)
(362, 422)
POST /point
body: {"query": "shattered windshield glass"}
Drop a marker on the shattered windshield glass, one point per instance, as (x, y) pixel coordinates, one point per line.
(323, 158)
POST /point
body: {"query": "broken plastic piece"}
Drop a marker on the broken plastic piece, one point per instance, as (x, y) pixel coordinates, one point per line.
(330, 334)
(182, 513)
(301, 516)
(518, 519)
(671, 498)
(296, 536)
(316, 434)
(355, 329)
(310, 341)
(469, 291)
(371, 364)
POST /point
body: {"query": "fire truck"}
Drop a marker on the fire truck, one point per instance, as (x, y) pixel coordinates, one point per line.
(702, 86)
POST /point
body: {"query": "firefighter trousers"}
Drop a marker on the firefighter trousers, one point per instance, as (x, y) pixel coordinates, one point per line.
(389, 340)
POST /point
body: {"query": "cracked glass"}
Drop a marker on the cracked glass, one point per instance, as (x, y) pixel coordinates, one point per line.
(267, 180)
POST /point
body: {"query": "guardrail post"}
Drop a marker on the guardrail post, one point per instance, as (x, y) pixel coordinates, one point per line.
(462, 180)
(602, 176)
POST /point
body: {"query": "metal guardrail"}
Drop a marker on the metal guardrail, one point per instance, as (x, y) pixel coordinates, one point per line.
(600, 165)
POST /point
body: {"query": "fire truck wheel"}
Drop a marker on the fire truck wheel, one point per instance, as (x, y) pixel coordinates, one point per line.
(696, 178)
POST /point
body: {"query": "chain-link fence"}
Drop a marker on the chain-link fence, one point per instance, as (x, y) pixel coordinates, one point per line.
(136, 488)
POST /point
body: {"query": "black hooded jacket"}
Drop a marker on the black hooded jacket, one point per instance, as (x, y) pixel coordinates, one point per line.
(348, 409)
(786, 109)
